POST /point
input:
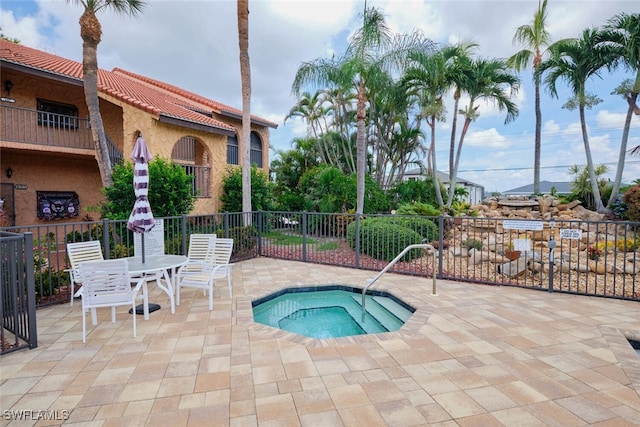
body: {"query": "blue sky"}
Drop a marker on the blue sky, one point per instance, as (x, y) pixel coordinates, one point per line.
(193, 45)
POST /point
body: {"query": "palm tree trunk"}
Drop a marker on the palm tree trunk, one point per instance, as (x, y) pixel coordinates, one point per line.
(453, 174)
(537, 144)
(245, 73)
(597, 199)
(361, 148)
(91, 32)
(631, 100)
(434, 174)
(452, 144)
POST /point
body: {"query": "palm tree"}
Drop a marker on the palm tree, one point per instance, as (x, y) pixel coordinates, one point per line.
(311, 109)
(425, 82)
(622, 35)
(245, 74)
(457, 70)
(397, 141)
(581, 183)
(91, 33)
(488, 80)
(575, 61)
(370, 49)
(533, 37)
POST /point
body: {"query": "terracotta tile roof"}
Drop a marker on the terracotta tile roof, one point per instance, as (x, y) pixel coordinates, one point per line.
(215, 106)
(152, 96)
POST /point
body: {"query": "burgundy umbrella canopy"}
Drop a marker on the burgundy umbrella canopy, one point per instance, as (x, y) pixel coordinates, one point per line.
(141, 218)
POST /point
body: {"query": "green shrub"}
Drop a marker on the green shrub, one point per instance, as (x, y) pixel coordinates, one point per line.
(423, 209)
(416, 191)
(261, 190)
(244, 239)
(94, 233)
(423, 226)
(329, 225)
(121, 251)
(627, 245)
(384, 238)
(170, 190)
(47, 281)
(472, 244)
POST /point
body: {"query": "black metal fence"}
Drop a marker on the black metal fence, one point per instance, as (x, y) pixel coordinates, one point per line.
(588, 258)
(17, 296)
(596, 258)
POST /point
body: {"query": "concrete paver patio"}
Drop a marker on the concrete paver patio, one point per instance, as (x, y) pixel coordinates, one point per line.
(471, 355)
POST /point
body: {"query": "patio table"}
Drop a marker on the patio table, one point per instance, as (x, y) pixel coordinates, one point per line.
(158, 268)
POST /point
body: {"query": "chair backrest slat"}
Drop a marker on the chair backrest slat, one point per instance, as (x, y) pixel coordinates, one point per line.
(199, 245)
(220, 252)
(105, 282)
(84, 251)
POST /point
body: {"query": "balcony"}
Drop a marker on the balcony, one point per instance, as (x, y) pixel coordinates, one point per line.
(25, 126)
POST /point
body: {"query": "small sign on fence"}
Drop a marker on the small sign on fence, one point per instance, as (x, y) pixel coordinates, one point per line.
(523, 245)
(522, 225)
(570, 233)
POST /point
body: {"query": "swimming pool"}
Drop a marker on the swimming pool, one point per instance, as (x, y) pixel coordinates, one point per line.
(331, 311)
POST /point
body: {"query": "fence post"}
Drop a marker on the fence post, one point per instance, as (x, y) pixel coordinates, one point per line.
(225, 221)
(440, 246)
(31, 291)
(183, 228)
(260, 221)
(105, 238)
(552, 248)
(304, 236)
(357, 240)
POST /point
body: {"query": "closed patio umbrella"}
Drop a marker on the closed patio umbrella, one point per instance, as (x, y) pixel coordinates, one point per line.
(141, 218)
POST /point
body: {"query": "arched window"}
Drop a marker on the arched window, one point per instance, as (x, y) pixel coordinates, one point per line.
(256, 149)
(232, 150)
(193, 157)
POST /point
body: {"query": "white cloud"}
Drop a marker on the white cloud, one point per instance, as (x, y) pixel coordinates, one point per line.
(487, 138)
(24, 29)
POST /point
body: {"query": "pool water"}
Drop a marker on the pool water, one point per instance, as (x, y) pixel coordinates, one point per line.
(331, 312)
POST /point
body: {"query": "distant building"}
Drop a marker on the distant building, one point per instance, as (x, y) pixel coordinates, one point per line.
(476, 191)
(559, 187)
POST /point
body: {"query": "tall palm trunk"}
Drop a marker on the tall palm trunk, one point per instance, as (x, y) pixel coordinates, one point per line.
(434, 174)
(361, 147)
(452, 145)
(91, 32)
(453, 175)
(631, 100)
(592, 174)
(245, 73)
(454, 123)
(537, 143)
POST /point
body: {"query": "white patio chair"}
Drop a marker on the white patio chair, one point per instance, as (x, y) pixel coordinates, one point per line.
(107, 283)
(79, 252)
(199, 244)
(216, 266)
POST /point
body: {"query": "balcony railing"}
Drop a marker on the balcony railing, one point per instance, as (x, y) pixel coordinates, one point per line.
(201, 179)
(52, 130)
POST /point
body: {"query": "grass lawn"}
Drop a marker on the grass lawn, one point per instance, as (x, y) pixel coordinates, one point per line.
(289, 239)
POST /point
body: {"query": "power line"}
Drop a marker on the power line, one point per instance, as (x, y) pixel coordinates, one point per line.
(542, 167)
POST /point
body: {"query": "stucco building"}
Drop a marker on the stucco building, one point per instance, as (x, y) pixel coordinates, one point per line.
(47, 152)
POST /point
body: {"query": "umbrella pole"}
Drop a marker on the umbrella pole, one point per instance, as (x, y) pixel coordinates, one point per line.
(142, 246)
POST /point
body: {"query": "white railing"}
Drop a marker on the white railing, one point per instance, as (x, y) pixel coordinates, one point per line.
(392, 263)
